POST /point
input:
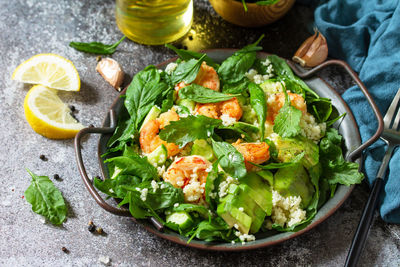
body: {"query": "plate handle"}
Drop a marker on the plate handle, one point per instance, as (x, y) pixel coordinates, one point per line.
(89, 182)
(358, 151)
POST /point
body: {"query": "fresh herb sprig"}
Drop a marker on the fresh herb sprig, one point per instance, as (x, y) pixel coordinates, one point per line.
(96, 47)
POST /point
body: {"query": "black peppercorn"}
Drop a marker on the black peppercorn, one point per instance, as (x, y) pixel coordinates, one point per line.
(64, 249)
(43, 157)
(56, 177)
(91, 228)
(72, 108)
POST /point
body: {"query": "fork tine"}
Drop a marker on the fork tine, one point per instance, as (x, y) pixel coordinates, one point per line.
(391, 110)
(396, 120)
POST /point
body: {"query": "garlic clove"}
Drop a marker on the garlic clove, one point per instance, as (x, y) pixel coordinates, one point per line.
(111, 72)
(312, 51)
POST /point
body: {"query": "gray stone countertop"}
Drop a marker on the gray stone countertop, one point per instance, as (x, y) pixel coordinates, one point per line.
(29, 27)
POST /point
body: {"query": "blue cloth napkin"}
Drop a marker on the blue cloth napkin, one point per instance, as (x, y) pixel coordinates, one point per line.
(366, 34)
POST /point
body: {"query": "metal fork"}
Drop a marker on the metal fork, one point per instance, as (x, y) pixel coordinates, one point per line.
(391, 135)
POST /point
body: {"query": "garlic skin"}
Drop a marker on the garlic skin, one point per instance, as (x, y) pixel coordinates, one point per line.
(111, 72)
(312, 51)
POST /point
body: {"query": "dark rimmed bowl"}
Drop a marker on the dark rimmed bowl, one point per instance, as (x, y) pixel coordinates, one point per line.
(347, 127)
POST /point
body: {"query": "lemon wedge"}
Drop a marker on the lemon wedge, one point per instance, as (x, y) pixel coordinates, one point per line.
(50, 70)
(48, 115)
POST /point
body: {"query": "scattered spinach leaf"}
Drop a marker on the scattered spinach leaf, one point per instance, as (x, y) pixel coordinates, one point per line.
(187, 71)
(96, 47)
(46, 199)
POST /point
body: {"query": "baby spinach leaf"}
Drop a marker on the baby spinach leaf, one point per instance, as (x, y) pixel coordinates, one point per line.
(202, 94)
(233, 68)
(96, 47)
(259, 104)
(46, 199)
(114, 187)
(238, 130)
(145, 88)
(287, 122)
(187, 70)
(213, 230)
(187, 55)
(135, 166)
(233, 160)
(189, 129)
(236, 87)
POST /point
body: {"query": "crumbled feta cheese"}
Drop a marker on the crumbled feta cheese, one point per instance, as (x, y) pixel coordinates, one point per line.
(154, 185)
(143, 194)
(227, 120)
(170, 68)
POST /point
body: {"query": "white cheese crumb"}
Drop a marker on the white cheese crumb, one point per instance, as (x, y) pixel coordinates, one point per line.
(154, 185)
(227, 120)
(170, 68)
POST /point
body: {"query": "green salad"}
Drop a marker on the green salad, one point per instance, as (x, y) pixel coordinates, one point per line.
(223, 151)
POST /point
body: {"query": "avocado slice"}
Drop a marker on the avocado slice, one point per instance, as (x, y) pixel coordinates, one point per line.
(294, 181)
(288, 148)
(203, 148)
(235, 204)
(189, 104)
(258, 190)
(153, 114)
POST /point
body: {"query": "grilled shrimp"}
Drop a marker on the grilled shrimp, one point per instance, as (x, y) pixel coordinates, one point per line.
(190, 174)
(253, 152)
(276, 102)
(149, 139)
(230, 108)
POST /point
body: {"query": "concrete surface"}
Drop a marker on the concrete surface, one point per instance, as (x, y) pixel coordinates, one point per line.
(30, 27)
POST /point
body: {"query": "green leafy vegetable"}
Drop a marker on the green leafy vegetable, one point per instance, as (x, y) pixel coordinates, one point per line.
(201, 210)
(236, 87)
(212, 184)
(96, 47)
(144, 90)
(233, 68)
(189, 129)
(279, 165)
(202, 94)
(259, 104)
(283, 71)
(336, 169)
(187, 71)
(46, 199)
(135, 166)
(287, 122)
(232, 162)
(187, 55)
(213, 230)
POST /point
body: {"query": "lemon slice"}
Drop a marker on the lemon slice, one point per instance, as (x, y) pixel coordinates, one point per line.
(50, 70)
(48, 115)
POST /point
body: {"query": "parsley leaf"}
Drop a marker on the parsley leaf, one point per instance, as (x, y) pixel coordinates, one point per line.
(202, 94)
(189, 129)
(46, 199)
(287, 122)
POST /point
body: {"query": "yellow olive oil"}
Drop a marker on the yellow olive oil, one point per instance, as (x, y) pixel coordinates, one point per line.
(154, 22)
